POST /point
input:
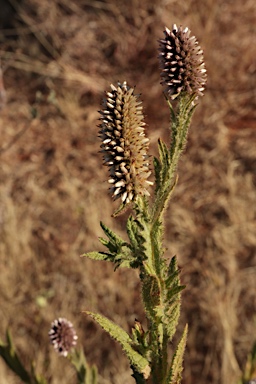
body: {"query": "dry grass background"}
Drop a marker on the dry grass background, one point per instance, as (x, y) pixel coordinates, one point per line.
(57, 60)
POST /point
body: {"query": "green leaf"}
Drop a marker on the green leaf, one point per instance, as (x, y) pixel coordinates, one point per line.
(9, 355)
(186, 104)
(172, 268)
(171, 318)
(140, 338)
(97, 255)
(174, 292)
(85, 373)
(163, 151)
(123, 259)
(164, 159)
(161, 168)
(35, 378)
(113, 237)
(138, 377)
(172, 280)
(133, 231)
(157, 167)
(12, 360)
(141, 207)
(120, 252)
(139, 362)
(250, 366)
(123, 207)
(156, 235)
(175, 372)
(150, 296)
(172, 298)
(173, 116)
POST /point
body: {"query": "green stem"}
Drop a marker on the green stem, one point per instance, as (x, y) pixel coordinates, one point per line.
(180, 124)
(161, 201)
(180, 121)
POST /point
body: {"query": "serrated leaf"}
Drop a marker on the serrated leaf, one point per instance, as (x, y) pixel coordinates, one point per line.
(172, 266)
(163, 152)
(104, 241)
(123, 259)
(186, 104)
(113, 237)
(138, 240)
(150, 296)
(172, 282)
(136, 360)
(173, 116)
(141, 207)
(157, 168)
(173, 278)
(157, 251)
(164, 158)
(120, 252)
(171, 319)
(172, 298)
(175, 372)
(133, 232)
(174, 292)
(97, 255)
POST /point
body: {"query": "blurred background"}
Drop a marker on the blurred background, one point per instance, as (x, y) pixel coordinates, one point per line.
(57, 58)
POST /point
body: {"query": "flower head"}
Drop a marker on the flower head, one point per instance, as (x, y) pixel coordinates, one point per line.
(62, 335)
(124, 145)
(182, 63)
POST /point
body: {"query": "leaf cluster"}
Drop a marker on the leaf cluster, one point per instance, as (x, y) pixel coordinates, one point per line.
(120, 252)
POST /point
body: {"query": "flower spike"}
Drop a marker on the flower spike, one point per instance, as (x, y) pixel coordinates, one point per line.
(124, 144)
(182, 63)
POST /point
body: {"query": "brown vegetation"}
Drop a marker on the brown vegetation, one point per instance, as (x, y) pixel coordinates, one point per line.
(57, 60)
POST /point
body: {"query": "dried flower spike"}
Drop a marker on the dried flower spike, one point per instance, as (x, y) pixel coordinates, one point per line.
(63, 336)
(182, 63)
(124, 145)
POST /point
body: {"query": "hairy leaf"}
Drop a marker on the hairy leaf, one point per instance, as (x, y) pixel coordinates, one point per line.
(157, 167)
(133, 231)
(174, 376)
(136, 360)
(113, 237)
(97, 255)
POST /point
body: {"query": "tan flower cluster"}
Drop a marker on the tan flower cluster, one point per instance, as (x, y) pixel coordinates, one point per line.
(124, 144)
